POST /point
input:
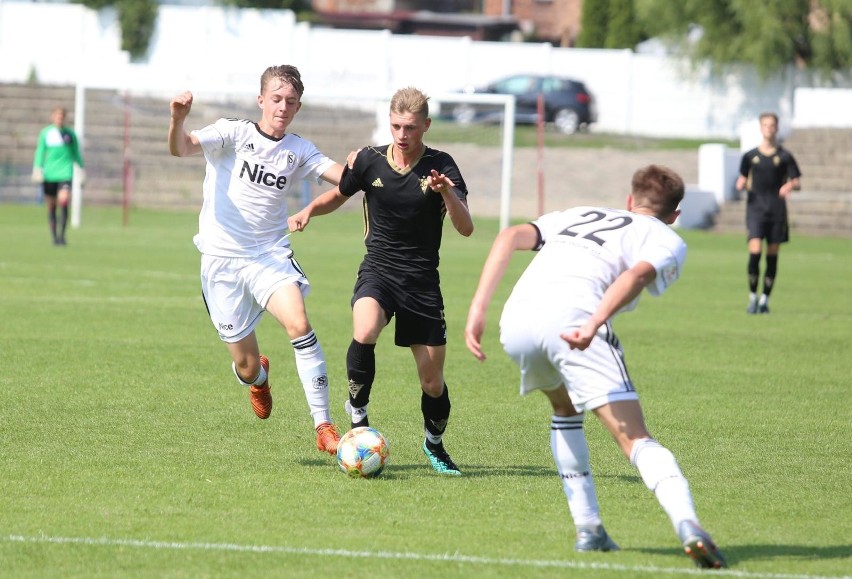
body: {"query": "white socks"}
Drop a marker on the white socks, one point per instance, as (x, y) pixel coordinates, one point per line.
(571, 454)
(357, 414)
(662, 475)
(261, 377)
(310, 364)
(655, 463)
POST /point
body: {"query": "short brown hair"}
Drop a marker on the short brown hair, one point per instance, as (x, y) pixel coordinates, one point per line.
(410, 100)
(768, 115)
(285, 73)
(657, 188)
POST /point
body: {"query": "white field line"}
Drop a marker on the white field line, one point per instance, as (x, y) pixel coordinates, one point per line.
(409, 556)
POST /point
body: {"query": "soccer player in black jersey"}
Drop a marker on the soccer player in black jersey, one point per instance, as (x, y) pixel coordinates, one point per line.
(770, 174)
(408, 190)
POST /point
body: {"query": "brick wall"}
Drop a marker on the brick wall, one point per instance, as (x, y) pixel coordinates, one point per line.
(557, 21)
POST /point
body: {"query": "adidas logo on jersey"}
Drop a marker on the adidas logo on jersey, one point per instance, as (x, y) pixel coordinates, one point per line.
(248, 147)
(377, 183)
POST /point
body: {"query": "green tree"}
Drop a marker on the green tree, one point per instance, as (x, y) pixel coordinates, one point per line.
(593, 24)
(137, 18)
(622, 30)
(769, 34)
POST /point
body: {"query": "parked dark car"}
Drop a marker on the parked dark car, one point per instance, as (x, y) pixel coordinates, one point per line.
(567, 102)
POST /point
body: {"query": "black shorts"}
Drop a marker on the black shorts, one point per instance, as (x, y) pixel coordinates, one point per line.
(419, 312)
(51, 188)
(772, 229)
(766, 218)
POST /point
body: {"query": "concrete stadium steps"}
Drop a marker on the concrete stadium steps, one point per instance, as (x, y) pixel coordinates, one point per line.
(811, 213)
(824, 156)
(158, 179)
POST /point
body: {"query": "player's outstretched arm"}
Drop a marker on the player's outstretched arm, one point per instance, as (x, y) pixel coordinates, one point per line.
(181, 144)
(328, 201)
(511, 239)
(623, 290)
(333, 174)
(322, 205)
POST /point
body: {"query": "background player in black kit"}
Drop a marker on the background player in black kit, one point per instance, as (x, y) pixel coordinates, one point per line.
(770, 174)
(408, 190)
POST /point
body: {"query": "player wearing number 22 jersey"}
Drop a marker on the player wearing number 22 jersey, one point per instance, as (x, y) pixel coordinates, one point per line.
(593, 263)
(582, 251)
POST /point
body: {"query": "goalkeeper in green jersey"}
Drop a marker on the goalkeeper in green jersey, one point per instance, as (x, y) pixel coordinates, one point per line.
(53, 166)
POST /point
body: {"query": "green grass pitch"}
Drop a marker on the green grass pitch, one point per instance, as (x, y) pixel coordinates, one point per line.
(128, 450)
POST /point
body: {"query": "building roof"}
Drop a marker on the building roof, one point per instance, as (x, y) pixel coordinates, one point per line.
(477, 26)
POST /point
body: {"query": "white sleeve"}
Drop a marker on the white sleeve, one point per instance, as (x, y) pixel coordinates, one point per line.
(550, 224)
(214, 137)
(668, 260)
(314, 163)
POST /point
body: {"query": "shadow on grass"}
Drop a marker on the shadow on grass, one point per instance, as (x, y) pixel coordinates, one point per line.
(401, 471)
(741, 553)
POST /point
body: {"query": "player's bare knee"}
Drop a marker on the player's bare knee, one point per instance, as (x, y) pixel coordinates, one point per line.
(432, 387)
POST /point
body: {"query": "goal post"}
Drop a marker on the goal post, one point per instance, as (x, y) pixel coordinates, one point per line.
(80, 131)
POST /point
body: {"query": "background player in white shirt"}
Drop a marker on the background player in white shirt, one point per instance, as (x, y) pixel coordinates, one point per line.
(247, 266)
(593, 263)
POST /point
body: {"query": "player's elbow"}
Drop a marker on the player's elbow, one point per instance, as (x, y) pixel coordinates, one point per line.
(176, 149)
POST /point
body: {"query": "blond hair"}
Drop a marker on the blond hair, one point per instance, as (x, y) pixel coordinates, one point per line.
(410, 100)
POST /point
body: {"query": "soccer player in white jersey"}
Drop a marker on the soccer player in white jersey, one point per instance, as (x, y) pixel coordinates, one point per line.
(593, 263)
(247, 266)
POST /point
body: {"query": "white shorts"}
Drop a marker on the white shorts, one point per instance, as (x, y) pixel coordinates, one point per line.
(237, 289)
(593, 377)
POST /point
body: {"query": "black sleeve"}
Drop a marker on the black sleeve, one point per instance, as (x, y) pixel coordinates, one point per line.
(794, 171)
(744, 164)
(451, 170)
(350, 180)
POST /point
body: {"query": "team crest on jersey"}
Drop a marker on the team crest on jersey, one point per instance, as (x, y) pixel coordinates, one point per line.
(669, 274)
(291, 158)
(776, 160)
(424, 184)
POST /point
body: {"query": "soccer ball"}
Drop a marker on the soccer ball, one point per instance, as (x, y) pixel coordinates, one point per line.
(363, 452)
